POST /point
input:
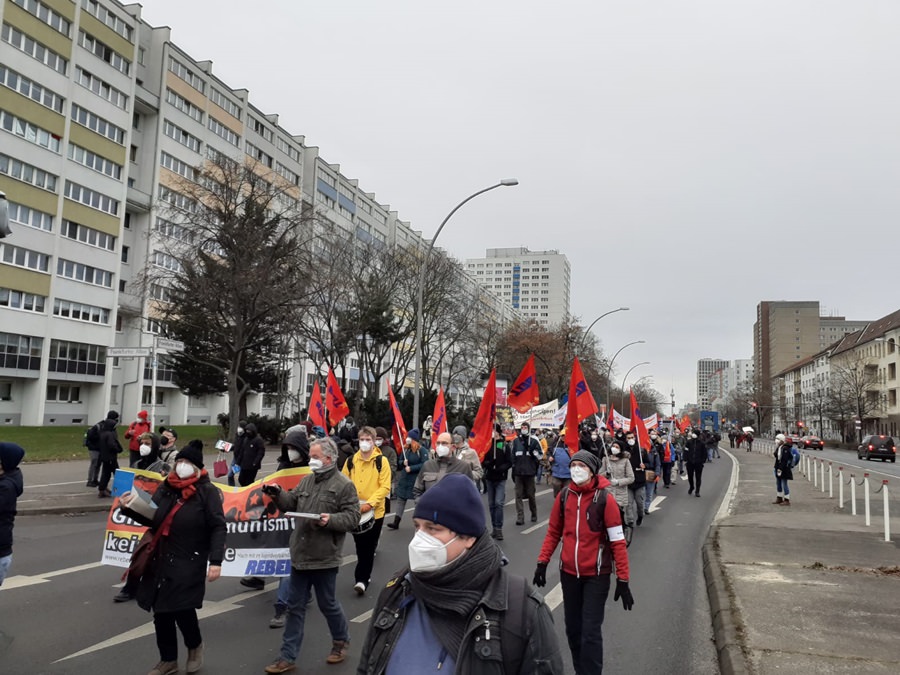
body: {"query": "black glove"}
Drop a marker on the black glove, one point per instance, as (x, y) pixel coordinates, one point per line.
(272, 489)
(622, 591)
(540, 575)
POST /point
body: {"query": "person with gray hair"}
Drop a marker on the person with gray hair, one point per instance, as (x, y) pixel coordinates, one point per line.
(316, 549)
(467, 454)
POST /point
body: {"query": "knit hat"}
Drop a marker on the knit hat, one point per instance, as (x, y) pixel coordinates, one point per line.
(112, 415)
(318, 432)
(588, 459)
(381, 432)
(10, 455)
(143, 414)
(192, 452)
(453, 502)
(415, 435)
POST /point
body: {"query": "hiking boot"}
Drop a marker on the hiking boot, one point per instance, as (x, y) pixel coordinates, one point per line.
(778, 500)
(338, 651)
(395, 524)
(280, 666)
(533, 517)
(123, 596)
(254, 583)
(104, 494)
(786, 502)
(194, 659)
(498, 534)
(164, 668)
(277, 621)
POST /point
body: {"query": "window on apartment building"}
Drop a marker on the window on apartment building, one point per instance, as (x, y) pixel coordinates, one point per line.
(36, 92)
(28, 45)
(30, 132)
(27, 302)
(146, 396)
(104, 52)
(94, 161)
(63, 393)
(23, 257)
(88, 235)
(77, 357)
(84, 273)
(97, 124)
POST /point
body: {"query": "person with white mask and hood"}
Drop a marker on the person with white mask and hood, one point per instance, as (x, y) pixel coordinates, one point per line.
(456, 609)
(443, 463)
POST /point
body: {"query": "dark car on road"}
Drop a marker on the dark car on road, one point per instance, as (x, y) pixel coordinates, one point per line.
(877, 447)
(812, 443)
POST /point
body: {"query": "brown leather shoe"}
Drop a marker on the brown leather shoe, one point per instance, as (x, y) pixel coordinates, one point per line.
(778, 500)
(280, 666)
(338, 651)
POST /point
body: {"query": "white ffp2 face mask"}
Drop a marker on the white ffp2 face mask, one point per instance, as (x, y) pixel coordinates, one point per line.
(293, 455)
(579, 474)
(184, 470)
(144, 450)
(427, 553)
(316, 465)
(442, 450)
(365, 446)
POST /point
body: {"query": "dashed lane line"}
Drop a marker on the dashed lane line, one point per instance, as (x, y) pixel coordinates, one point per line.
(535, 527)
(22, 580)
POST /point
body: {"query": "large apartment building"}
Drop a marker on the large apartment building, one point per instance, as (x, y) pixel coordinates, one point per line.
(102, 117)
(705, 369)
(536, 283)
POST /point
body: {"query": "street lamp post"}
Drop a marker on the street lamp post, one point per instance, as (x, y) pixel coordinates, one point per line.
(594, 322)
(613, 360)
(421, 291)
(642, 363)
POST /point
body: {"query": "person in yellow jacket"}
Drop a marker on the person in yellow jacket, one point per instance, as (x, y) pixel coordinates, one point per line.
(370, 472)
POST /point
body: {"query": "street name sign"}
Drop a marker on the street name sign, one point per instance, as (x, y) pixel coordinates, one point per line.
(128, 351)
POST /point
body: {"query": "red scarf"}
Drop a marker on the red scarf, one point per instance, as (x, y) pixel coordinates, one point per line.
(187, 486)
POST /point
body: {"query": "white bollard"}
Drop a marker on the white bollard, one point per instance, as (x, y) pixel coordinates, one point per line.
(866, 494)
(823, 475)
(852, 494)
(830, 482)
(841, 486)
(887, 514)
(815, 473)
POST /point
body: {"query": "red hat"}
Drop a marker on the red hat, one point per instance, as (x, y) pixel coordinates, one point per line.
(143, 414)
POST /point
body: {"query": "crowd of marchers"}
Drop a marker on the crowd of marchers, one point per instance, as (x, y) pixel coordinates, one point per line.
(455, 607)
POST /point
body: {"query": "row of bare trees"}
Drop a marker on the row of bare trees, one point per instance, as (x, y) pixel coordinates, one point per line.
(250, 277)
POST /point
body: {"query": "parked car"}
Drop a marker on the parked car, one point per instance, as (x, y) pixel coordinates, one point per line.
(797, 440)
(879, 447)
(812, 443)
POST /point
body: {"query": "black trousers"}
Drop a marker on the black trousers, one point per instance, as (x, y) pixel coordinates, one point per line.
(584, 605)
(107, 469)
(366, 544)
(245, 477)
(167, 637)
(695, 476)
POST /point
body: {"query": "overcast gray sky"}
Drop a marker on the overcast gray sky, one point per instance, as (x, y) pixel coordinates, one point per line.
(690, 158)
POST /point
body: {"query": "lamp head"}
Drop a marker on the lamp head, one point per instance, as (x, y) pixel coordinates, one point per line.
(509, 181)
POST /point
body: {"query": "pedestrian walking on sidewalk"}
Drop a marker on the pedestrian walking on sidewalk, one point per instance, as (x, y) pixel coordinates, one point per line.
(585, 518)
(11, 487)
(695, 456)
(786, 458)
(110, 448)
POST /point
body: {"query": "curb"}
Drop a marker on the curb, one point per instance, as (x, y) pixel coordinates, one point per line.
(74, 509)
(725, 624)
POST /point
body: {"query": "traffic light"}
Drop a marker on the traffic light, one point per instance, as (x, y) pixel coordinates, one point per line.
(4, 216)
(754, 405)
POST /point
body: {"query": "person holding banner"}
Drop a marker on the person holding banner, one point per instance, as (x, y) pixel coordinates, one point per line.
(316, 550)
(188, 523)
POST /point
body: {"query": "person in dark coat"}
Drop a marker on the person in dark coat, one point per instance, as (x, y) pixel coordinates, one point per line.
(148, 451)
(496, 464)
(11, 487)
(109, 451)
(249, 450)
(784, 464)
(409, 463)
(174, 583)
(695, 456)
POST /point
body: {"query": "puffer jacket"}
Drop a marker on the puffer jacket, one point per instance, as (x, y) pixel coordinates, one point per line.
(586, 551)
(620, 475)
(314, 547)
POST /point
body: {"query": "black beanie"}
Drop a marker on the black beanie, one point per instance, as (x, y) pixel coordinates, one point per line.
(192, 452)
(453, 502)
(112, 415)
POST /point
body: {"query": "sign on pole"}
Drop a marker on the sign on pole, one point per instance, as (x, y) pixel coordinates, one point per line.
(125, 352)
(169, 345)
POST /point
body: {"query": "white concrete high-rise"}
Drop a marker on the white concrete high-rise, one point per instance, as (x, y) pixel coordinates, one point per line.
(536, 283)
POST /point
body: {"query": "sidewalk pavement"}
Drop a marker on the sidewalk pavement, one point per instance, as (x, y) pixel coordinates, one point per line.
(797, 589)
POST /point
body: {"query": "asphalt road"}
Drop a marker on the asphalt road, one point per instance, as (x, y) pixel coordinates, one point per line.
(57, 605)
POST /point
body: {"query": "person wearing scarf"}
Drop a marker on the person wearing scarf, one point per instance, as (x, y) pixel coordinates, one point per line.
(446, 612)
(175, 581)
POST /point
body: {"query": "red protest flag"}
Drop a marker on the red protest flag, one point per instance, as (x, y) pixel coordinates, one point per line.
(611, 420)
(439, 418)
(581, 404)
(524, 394)
(637, 424)
(398, 428)
(684, 424)
(483, 428)
(335, 403)
(316, 407)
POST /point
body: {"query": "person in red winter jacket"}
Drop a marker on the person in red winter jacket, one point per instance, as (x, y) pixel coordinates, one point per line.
(586, 519)
(136, 429)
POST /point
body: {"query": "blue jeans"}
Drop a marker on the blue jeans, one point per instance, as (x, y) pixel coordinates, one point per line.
(282, 596)
(496, 491)
(649, 492)
(5, 562)
(300, 585)
(782, 486)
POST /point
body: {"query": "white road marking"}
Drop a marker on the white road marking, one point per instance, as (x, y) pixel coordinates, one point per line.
(535, 527)
(362, 618)
(536, 494)
(731, 492)
(21, 580)
(71, 482)
(655, 504)
(554, 597)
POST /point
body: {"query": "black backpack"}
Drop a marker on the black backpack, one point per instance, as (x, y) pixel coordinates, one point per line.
(92, 437)
(598, 504)
(379, 462)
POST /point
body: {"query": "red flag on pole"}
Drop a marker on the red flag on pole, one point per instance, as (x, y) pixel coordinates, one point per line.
(398, 428)
(483, 428)
(335, 403)
(439, 418)
(581, 404)
(316, 407)
(637, 424)
(524, 394)
(684, 424)
(611, 420)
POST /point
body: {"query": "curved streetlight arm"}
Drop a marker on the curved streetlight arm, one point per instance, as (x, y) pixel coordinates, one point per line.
(642, 363)
(611, 362)
(587, 330)
(421, 291)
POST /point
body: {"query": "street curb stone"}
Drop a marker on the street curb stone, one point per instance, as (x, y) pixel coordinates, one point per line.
(732, 660)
